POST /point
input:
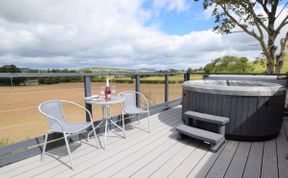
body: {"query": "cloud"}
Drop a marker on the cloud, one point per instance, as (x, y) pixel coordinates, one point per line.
(178, 5)
(112, 33)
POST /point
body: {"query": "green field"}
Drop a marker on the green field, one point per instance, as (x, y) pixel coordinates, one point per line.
(107, 69)
(155, 79)
(260, 65)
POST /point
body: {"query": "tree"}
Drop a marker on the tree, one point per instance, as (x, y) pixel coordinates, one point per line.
(229, 64)
(280, 56)
(248, 16)
(173, 70)
(189, 70)
(11, 69)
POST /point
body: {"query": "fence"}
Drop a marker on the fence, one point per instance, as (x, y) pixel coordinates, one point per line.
(30, 147)
(13, 152)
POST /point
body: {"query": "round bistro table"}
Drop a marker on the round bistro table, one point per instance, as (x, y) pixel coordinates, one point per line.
(106, 114)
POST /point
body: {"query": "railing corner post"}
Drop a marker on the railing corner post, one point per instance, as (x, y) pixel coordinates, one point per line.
(166, 94)
(137, 89)
(87, 90)
(188, 75)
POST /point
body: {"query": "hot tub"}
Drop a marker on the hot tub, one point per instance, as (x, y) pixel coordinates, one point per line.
(255, 108)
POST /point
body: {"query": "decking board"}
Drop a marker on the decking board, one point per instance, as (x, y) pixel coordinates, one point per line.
(168, 167)
(44, 169)
(150, 162)
(185, 168)
(282, 152)
(270, 162)
(254, 161)
(238, 162)
(160, 154)
(206, 163)
(112, 150)
(222, 163)
(139, 155)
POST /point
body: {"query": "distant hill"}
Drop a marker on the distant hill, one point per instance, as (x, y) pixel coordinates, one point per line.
(25, 69)
(108, 69)
(260, 65)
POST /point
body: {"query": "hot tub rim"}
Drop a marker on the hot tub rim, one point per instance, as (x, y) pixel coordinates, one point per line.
(204, 86)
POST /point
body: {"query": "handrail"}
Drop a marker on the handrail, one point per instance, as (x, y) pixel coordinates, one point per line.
(36, 75)
(28, 75)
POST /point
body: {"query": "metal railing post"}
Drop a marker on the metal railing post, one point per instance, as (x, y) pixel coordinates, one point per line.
(87, 90)
(137, 89)
(188, 75)
(166, 93)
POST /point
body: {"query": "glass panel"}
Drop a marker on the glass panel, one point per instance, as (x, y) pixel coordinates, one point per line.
(196, 76)
(153, 88)
(175, 86)
(20, 118)
(19, 115)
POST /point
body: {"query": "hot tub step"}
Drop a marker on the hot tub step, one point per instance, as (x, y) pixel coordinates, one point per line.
(207, 117)
(215, 139)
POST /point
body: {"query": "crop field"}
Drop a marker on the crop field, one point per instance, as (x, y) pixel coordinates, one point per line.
(20, 118)
(154, 79)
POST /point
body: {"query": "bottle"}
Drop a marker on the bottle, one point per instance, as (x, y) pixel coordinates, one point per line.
(107, 90)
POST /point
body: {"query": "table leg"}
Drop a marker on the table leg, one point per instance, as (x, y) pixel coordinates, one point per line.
(123, 121)
(105, 134)
(106, 116)
(106, 110)
(123, 125)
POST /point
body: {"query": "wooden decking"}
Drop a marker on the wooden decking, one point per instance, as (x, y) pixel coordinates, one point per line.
(160, 154)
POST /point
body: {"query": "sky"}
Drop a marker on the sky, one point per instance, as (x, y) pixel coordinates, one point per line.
(135, 34)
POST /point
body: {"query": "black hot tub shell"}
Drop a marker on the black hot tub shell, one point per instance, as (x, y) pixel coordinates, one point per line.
(255, 108)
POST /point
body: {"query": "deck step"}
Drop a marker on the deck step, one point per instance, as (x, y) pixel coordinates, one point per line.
(215, 139)
(207, 117)
(200, 134)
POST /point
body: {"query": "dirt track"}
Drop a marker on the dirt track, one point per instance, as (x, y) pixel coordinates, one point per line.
(20, 118)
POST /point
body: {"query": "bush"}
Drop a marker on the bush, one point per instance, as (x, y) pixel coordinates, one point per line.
(229, 64)
(10, 69)
(123, 80)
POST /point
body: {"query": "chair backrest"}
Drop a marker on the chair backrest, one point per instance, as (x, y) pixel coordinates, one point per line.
(130, 99)
(52, 109)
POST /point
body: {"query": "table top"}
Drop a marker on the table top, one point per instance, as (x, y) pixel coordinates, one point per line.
(102, 101)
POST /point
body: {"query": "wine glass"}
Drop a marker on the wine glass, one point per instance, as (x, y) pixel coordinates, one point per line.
(102, 91)
(113, 90)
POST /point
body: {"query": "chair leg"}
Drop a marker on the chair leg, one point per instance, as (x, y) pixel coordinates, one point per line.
(68, 148)
(148, 119)
(95, 136)
(138, 115)
(123, 125)
(44, 147)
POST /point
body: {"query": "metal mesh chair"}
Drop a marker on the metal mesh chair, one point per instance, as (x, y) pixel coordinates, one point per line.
(130, 106)
(52, 109)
